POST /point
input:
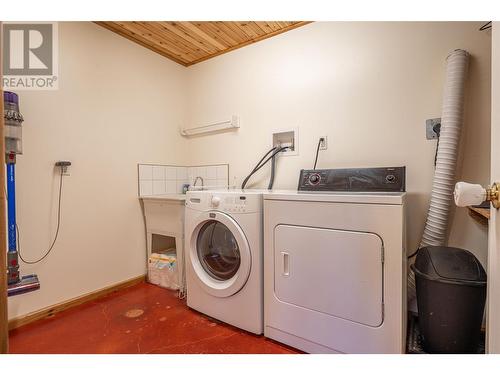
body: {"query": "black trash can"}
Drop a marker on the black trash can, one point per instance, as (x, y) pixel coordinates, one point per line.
(451, 293)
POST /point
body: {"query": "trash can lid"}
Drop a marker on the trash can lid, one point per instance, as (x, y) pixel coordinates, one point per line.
(449, 264)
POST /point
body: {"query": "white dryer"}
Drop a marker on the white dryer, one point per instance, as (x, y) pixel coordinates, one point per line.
(335, 271)
(224, 271)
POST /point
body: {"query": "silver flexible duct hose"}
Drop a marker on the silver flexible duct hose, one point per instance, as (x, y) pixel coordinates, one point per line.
(444, 176)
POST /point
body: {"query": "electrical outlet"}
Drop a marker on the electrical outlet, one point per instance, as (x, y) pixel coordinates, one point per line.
(429, 128)
(324, 143)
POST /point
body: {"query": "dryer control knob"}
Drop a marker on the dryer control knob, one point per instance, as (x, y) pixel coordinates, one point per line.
(314, 179)
(215, 201)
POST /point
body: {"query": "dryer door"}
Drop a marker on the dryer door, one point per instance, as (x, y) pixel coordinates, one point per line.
(335, 272)
(219, 254)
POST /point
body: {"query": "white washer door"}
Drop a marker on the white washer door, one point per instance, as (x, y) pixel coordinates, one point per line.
(220, 254)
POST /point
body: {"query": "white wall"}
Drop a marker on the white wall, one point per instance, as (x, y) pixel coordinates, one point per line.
(118, 104)
(368, 86)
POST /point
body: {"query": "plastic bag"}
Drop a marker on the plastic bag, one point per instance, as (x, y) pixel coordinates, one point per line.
(163, 270)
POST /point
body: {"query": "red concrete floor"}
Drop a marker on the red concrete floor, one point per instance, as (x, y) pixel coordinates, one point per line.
(140, 319)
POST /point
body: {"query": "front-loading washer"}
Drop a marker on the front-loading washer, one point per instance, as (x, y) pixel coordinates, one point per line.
(224, 270)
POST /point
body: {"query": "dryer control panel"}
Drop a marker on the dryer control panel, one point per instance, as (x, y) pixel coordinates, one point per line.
(386, 179)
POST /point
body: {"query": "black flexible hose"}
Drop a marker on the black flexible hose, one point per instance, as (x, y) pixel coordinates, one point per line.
(255, 168)
(266, 154)
(258, 164)
(273, 171)
(263, 163)
(270, 157)
(260, 161)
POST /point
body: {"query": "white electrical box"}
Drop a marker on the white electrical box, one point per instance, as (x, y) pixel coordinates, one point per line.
(286, 137)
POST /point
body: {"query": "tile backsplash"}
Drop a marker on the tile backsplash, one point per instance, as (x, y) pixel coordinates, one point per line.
(168, 179)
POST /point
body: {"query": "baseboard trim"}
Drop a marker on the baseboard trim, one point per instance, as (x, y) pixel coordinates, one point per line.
(57, 308)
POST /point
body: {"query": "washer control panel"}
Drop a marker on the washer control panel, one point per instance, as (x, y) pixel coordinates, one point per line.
(224, 201)
(233, 203)
(386, 179)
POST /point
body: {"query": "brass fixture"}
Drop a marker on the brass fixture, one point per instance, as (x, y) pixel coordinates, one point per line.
(493, 195)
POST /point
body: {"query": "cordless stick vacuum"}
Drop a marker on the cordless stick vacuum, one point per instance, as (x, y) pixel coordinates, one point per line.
(13, 146)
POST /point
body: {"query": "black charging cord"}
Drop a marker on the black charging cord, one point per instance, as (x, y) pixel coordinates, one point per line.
(263, 162)
(57, 230)
(437, 129)
(317, 152)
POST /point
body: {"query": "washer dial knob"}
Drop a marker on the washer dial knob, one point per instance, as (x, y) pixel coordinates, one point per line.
(215, 201)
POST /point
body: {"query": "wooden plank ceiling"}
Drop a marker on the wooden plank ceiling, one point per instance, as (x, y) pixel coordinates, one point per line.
(191, 42)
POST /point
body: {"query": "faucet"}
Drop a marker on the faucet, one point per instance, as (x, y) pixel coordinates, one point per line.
(196, 180)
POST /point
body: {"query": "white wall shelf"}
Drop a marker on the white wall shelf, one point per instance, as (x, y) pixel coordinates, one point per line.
(231, 124)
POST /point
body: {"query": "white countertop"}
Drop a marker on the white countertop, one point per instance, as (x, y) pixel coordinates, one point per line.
(165, 197)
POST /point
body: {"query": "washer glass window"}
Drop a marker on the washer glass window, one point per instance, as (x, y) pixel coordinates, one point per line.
(218, 250)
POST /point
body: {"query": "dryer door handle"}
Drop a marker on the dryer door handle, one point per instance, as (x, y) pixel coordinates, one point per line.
(286, 263)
